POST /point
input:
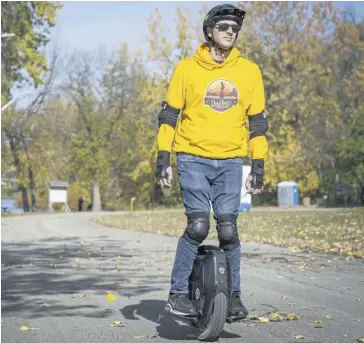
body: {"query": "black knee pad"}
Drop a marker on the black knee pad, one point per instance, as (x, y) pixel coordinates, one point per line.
(227, 231)
(198, 226)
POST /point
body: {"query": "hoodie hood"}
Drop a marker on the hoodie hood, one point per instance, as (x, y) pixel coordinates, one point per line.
(203, 58)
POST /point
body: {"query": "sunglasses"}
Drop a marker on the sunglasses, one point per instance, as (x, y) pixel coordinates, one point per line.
(224, 27)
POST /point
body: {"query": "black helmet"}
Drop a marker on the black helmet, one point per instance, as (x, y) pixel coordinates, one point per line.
(221, 12)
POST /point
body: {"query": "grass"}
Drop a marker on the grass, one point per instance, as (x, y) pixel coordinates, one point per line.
(333, 231)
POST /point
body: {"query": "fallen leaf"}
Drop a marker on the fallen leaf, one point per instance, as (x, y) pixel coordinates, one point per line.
(293, 249)
(26, 328)
(345, 334)
(293, 316)
(152, 335)
(116, 324)
(276, 317)
(317, 324)
(45, 305)
(82, 242)
(110, 297)
(328, 317)
(263, 319)
(299, 337)
(361, 340)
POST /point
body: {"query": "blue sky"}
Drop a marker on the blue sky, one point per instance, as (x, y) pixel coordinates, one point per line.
(87, 25)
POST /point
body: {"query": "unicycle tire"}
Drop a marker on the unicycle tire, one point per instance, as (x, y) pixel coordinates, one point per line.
(217, 320)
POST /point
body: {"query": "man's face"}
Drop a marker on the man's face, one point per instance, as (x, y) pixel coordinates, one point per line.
(223, 33)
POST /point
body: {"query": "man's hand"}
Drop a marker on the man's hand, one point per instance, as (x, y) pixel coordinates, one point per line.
(163, 172)
(254, 182)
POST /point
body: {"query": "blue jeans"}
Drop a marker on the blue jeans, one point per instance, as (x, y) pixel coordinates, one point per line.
(203, 180)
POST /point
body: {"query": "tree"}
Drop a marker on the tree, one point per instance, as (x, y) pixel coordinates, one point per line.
(285, 39)
(30, 21)
(23, 61)
(22, 134)
(105, 93)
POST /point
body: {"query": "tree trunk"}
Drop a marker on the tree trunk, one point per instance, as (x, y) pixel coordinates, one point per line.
(24, 194)
(17, 163)
(32, 188)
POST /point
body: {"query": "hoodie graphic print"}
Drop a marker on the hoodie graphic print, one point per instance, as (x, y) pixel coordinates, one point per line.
(215, 100)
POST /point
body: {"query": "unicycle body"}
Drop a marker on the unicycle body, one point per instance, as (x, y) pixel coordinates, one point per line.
(210, 290)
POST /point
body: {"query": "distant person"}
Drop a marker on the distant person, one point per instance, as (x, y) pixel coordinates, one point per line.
(211, 141)
(80, 203)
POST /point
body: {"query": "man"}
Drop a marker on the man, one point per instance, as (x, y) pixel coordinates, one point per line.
(80, 203)
(215, 92)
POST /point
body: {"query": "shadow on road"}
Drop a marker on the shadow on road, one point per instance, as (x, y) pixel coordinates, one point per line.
(167, 326)
(35, 273)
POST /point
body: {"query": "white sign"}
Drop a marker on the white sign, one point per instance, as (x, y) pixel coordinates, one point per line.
(58, 195)
(245, 199)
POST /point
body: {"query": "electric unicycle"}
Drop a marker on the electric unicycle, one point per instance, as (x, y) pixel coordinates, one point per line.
(210, 290)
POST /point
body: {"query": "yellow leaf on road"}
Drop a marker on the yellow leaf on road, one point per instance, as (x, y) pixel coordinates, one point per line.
(328, 317)
(299, 337)
(45, 305)
(26, 328)
(152, 335)
(292, 316)
(116, 324)
(82, 243)
(317, 324)
(263, 320)
(361, 340)
(110, 297)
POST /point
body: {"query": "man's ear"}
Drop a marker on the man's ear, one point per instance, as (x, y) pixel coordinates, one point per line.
(209, 31)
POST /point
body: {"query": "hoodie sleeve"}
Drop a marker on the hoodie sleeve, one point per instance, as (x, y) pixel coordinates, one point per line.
(175, 98)
(258, 144)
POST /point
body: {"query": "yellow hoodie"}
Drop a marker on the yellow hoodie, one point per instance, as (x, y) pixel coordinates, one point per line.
(215, 100)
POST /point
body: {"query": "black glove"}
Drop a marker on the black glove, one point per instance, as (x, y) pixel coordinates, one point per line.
(254, 183)
(163, 172)
(257, 172)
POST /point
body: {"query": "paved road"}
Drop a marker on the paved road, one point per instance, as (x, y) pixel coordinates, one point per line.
(58, 268)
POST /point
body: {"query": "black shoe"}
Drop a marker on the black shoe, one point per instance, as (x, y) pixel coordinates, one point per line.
(180, 305)
(237, 310)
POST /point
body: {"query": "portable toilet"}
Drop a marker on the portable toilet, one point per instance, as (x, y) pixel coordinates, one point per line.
(288, 194)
